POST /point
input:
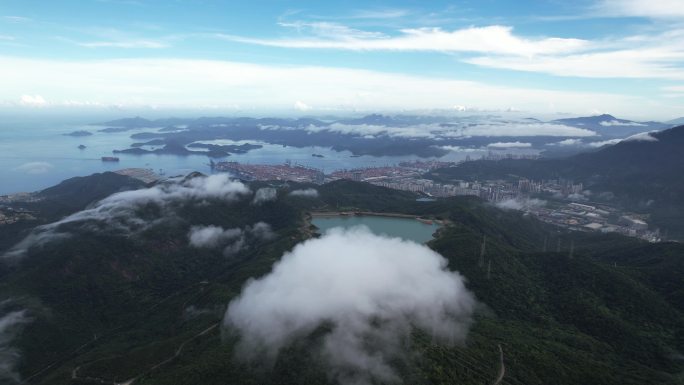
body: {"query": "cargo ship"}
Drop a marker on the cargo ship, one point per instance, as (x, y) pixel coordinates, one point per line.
(110, 159)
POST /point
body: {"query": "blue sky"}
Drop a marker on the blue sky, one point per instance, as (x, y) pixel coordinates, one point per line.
(624, 57)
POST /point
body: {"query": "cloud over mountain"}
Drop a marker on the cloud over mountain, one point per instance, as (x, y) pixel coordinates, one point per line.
(119, 212)
(367, 288)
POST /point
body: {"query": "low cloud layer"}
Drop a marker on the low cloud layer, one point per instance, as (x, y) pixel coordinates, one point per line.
(368, 288)
(211, 236)
(520, 204)
(119, 212)
(641, 137)
(232, 240)
(510, 145)
(618, 123)
(469, 127)
(306, 193)
(11, 323)
(264, 194)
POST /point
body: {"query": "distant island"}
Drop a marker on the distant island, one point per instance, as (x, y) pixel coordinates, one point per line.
(384, 135)
(175, 148)
(79, 133)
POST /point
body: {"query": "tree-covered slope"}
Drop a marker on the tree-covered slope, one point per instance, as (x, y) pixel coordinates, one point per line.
(120, 299)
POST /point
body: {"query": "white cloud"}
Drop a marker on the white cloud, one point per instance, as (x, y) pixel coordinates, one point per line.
(10, 324)
(380, 13)
(211, 236)
(521, 129)
(496, 39)
(367, 288)
(509, 145)
(264, 194)
(119, 213)
(261, 230)
(569, 142)
(35, 167)
(176, 83)
(329, 30)
(641, 137)
(33, 101)
(602, 143)
(306, 193)
(520, 204)
(301, 106)
(7, 37)
(371, 130)
(649, 62)
(641, 56)
(658, 9)
(232, 240)
(455, 130)
(613, 123)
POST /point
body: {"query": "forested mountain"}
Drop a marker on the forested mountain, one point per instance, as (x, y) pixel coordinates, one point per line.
(641, 174)
(121, 291)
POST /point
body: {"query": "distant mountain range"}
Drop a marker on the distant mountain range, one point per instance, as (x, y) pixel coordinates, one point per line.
(382, 135)
(676, 122)
(610, 126)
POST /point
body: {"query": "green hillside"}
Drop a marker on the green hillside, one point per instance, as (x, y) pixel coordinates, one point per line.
(111, 306)
(638, 175)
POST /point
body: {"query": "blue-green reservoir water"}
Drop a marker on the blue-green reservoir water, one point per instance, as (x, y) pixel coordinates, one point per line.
(406, 228)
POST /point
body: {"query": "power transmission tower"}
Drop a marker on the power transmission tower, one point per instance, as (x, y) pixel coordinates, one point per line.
(572, 248)
(558, 245)
(545, 240)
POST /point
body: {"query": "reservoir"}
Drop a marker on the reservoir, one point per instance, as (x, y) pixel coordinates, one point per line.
(406, 228)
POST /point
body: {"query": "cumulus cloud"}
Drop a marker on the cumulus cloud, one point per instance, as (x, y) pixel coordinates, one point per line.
(261, 230)
(370, 290)
(264, 194)
(232, 240)
(11, 323)
(211, 236)
(35, 167)
(306, 193)
(509, 145)
(521, 204)
(119, 212)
